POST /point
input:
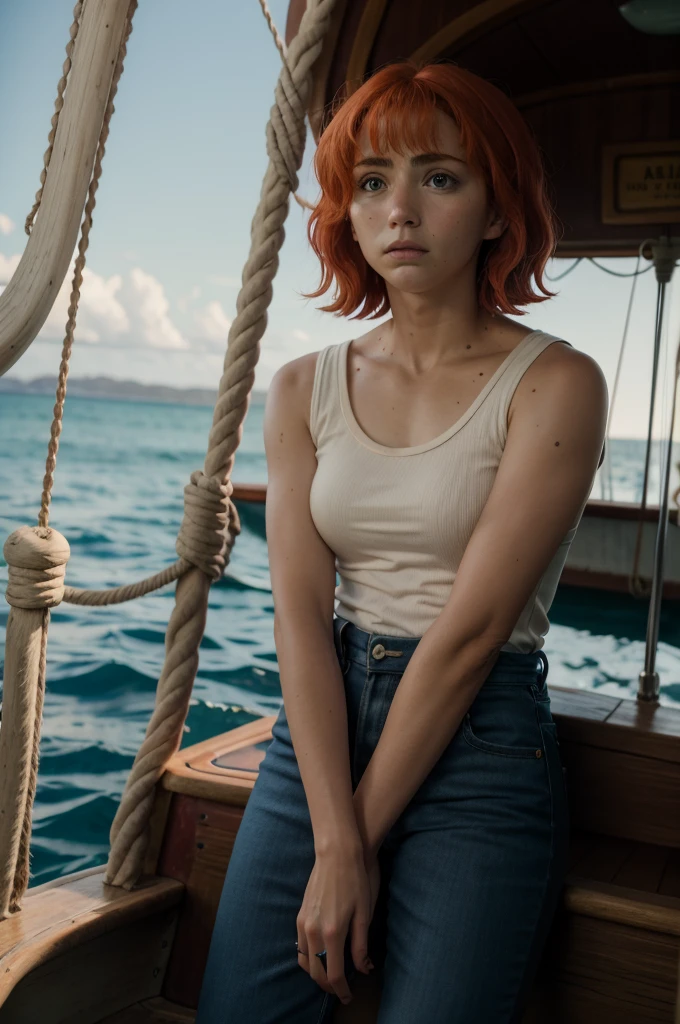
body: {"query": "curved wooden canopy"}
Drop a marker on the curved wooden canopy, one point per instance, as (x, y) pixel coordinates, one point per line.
(602, 98)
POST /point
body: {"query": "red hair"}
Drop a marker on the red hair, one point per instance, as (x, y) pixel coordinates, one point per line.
(397, 105)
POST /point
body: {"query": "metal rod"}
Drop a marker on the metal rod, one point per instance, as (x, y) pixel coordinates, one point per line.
(661, 294)
(665, 253)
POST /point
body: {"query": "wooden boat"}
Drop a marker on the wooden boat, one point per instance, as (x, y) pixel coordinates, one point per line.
(600, 87)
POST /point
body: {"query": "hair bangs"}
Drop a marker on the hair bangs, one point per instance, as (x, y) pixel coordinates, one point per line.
(401, 118)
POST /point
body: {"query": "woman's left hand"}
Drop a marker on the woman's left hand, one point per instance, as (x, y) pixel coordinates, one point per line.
(339, 895)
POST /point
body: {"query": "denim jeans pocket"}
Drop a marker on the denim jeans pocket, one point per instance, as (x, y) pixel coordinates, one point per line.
(503, 720)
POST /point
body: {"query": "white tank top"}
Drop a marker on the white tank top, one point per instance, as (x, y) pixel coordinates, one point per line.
(399, 519)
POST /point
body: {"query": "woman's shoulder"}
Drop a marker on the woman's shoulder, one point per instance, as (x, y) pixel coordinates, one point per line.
(564, 356)
(302, 369)
(560, 367)
(297, 377)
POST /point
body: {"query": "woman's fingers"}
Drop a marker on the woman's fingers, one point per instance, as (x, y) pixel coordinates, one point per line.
(303, 953)
(335, 965)
(359, 929)
(315, 945)
(332, 978)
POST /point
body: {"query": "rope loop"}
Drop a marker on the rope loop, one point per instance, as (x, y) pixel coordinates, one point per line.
(36, 557)
(203, 537)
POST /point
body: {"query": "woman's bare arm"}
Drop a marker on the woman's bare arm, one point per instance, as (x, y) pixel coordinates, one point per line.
(543, 482)
(302, 570)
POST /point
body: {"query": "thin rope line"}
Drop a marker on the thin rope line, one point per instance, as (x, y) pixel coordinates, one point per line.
(280, 45)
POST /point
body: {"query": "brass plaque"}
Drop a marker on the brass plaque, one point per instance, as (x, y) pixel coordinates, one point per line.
(641, 183)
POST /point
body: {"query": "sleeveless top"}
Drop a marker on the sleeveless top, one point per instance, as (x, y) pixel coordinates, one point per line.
(399, 519)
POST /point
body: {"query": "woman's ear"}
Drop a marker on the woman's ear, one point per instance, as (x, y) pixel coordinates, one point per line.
(496, 225)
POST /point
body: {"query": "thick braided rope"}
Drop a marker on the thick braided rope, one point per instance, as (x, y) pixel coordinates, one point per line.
(285, 147)
(23, 864)
(281, 47)
(36, 560)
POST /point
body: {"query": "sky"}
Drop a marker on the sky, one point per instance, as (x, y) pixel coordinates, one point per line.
(181, 179)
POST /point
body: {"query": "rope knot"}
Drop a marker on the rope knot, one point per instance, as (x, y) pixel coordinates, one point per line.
(204, 536)
(36, 557)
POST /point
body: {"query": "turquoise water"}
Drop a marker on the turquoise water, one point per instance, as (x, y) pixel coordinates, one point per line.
(117, 499)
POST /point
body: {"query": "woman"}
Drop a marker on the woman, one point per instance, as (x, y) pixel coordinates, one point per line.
(411, 807)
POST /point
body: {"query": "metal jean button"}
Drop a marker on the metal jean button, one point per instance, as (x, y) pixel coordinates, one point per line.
(378, 651)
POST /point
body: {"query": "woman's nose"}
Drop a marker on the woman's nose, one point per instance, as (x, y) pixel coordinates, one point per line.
(403, 209)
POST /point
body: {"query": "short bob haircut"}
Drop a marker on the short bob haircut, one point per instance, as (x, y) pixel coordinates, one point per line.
(397, 104)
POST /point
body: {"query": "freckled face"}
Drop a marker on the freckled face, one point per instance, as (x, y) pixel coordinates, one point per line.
(432, 200)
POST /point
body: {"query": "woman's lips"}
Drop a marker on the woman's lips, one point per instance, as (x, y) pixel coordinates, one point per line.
(406, 254)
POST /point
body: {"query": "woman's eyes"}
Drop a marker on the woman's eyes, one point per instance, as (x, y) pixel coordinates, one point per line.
(367, 181)
(438, 176)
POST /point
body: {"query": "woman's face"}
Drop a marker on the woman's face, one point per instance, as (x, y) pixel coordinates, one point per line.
(432, 200)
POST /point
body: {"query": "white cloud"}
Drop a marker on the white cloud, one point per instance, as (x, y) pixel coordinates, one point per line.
(184, 300)
(300, 335)
(119, 311)
(7, 226)
(150, 312)
(101, 316)
(213, 323)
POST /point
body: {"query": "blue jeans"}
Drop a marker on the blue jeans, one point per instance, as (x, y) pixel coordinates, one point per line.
(471, 871)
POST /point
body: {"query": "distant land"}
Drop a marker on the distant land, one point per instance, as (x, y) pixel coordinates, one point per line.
(120, 390)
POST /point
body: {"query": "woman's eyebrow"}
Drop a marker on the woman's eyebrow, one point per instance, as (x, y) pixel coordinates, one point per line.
(416, 161)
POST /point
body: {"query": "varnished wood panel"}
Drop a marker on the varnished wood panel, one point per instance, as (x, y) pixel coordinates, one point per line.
(622, 794)
(613, 723)
(70, 911)
(594, 972)
(95, 978)
(198, 844)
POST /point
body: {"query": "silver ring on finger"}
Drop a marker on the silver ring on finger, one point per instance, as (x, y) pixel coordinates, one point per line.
(300, 951)
(322, 958)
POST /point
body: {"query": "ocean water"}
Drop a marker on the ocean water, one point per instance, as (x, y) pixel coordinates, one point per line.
(118, 499)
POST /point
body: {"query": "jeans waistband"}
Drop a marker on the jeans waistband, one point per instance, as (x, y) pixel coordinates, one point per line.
(383, 652)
